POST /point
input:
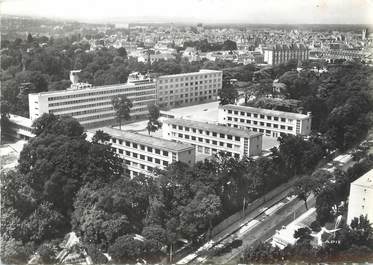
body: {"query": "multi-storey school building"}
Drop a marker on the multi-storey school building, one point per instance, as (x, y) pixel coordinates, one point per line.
(269, 122)
(210, 139)
(92, 105)
(188, 88)
(142, 153)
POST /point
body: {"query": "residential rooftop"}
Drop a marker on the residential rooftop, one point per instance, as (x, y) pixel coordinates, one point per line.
(365, 180)
(213, 127)
(285, 114)
(147, 140)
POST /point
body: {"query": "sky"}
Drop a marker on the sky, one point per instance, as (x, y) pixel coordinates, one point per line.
(205, 11)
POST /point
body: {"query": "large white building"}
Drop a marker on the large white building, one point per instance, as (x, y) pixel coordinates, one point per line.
(361, 198)
(92, 106)
(188, 88)
(142, 153)
(269, 122)
(210, 138)
(278, 53)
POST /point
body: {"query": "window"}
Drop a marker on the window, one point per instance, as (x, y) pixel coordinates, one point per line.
(269, 117)
(222, 135)
(237, 138)
(150, 159)
(193, 138)
(248, 114)
(157, 161)
(214, 134)
(120, 151)
(165, 153)
(282, 127)
(242, 113)
(150, 149)
(235, 112)
(229, 137)
(275, 118)
(134, 155)
(283, 119)
(142, 147)
(194, 130)
(229, 118)
(275, 126)
(186, 136)
(207, 150)
(128, 143)
(229, 111)
(200, 139)
(157, 151)
(229, 145)
(290, 128)
(114, 140)
(128, 153)
(261, 116)
(255, 115)
(134, 145)
(142, 157)
(214, 142)
(221, 143)
(207, 133)
(268, 124)
(207, 141)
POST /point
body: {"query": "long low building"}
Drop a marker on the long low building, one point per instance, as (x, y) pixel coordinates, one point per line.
(142, 153)
(188, 88)
(272, 123)
(210, 138)
(20, 127)
(92, 106)
(361, 198)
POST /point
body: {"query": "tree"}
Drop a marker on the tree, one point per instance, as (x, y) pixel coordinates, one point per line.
(122, 52)
(303, 234)
(122, 106)
(100, 137)
(153, 124)
(208, 209)
(228, 94)
(304, 187)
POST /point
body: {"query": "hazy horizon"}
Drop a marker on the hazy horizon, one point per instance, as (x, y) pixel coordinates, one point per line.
(194, 11)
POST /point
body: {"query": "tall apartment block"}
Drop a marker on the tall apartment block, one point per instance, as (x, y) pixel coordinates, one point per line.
(142, 153)
(361, 198)
(92, 105)
(210, 139)
(278, 54)
(188, 88)
(269, 122)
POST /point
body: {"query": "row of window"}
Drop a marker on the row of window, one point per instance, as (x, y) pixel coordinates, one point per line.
(259, 116)
(186, 94)
(267, 124)
(254, 129)
(129, 95)
(186, 100)
(140, 147)
(141, 157)
(105, 103)
(204, 140)
(84, 112)
(208, 151)
(214, 134)
(186, 78)
(110, 116)
(189, 84)
(107, 90)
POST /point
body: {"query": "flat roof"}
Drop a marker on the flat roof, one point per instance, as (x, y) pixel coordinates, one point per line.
(213, 127)
(20, 120)
(202, 71)
(146, 140)
(365, 180)
(270, 112)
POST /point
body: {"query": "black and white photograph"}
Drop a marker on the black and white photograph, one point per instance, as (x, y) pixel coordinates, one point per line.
(175, 132)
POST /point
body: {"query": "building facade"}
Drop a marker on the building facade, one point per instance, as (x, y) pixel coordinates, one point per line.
(210, 139)
(20, 127)
(142, 153)
(269, 122)
(92, 106)
(278, 54)
(188, 88)
(361, 198)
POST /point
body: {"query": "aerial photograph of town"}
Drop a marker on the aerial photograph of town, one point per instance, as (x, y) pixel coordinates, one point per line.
(186, 132)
